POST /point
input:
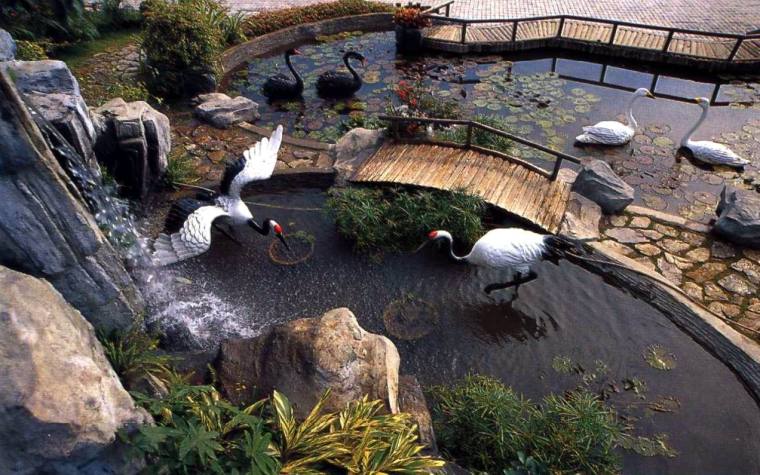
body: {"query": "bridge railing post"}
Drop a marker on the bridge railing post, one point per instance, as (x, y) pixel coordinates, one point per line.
(464, 33)
(735, 49)
(468, 140)
(555, 171)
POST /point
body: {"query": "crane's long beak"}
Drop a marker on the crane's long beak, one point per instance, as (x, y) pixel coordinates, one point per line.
(282, 238)
(421, 247)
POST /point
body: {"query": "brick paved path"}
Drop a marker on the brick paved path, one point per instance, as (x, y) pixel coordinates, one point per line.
(726, 16)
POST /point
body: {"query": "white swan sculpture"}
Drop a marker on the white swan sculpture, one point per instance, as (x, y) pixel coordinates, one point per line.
(611, 132)
(710, 152)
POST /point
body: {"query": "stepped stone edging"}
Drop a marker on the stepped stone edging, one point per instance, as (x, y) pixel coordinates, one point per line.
(281, 39)
(735, 350)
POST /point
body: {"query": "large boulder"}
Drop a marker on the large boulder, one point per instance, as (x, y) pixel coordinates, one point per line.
(411, 400)
(223, 111)
(7, 46)
(45, 228)
(597, 182)
(61, 404)
(581, 219)
(354, 148)
(133, 143)
(739, 216)
(305, 357)
(52, 89)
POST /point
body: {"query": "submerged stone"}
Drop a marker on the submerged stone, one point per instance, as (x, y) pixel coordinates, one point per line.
(599, 183)
(734, 283)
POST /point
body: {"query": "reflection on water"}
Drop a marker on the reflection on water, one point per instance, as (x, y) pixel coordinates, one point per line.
(566, 313)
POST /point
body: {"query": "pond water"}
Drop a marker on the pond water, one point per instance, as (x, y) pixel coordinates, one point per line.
(547, 99)
(445, 327)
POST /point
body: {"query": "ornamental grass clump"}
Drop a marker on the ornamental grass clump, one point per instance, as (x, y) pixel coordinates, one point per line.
(484, 425)
(399, 220)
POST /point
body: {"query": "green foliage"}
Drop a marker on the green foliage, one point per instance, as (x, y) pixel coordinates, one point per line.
(133, 354)
(59, 20)
(111, 14)
(486, 426)
(199, 432)
(229, 25)
(180, 169)
(268, 22)
(135, 91)
(30, 51)
(399, 220)
(421, 102)
(482, 137)
(182, 48)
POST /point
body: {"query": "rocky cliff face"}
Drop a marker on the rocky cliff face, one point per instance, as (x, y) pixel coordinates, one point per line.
(61, 404)
(46, 231)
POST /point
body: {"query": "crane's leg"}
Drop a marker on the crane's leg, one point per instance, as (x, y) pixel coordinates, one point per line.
(514, 283)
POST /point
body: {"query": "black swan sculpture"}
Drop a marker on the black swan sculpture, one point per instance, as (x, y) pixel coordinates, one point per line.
(281, 86)
(339, 83)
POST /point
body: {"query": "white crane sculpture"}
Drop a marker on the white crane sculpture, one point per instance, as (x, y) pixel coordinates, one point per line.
(509, 249)
(707, 151)
(197, 218)
(611, 132)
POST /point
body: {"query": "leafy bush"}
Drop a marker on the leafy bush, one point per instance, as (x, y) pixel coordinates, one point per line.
(481, 137)
(134, 355)
(30, 51)
(59, 20)
(400, 220)
(182, 48)
(199, 432)
(135, 91)
(486, 426)
(420, 102)
(410, 17)
(268, 22)
(112, 14)
(229, 25)
(180, 168)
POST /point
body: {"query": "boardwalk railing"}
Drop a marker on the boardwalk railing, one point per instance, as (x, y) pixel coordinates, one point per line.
(734, 41)
(396, 121)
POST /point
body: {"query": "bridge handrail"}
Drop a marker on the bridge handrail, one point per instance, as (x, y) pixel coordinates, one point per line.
(437, 8)
(472, 124)
(738, 38)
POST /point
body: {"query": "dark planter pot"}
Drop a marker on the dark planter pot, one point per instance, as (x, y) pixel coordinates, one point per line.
(408, 40)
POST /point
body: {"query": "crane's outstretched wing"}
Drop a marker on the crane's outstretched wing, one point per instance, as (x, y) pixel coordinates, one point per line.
(256, 164)
(193, 239)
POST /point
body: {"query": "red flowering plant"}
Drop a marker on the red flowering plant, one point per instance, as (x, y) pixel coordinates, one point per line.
(418, 101)
(410, 17)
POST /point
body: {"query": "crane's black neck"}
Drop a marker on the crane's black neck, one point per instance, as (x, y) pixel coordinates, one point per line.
(353, 72)
(299, 80)
(261, 229)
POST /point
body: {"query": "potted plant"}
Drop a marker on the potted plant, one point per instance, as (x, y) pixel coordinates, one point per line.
(409, 23)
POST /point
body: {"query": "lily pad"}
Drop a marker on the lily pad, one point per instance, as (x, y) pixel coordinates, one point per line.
(660, 358)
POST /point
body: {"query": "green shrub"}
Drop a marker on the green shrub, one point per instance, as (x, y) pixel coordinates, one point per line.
(229, 25)
(135, 91)
(59, 20)
(180, 168)
(400, 220)
(481, 137)
(197, 431)
(111, 14)
(182, 48)
(133, 355)
(30, 51)
(268, 22)
(484, 425)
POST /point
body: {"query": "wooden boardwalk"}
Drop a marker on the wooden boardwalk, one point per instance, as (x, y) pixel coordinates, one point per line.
(500, 36)
(501, 183)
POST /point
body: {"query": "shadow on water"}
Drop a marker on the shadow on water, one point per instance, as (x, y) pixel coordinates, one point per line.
(566, 313)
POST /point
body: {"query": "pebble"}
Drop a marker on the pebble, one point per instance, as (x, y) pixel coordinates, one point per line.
(754, 305)
(749, 268)
(679, 262)
(618, 221)
(725, 309)
(734, 283)
(648, 249)
(700, 254)
(640, 222)
(670, 271)
(713, 292)
(707, 271)
(666, 230)
(673, 245)
(752, 254)
(626, 235)
(692, 290)
(651, 234)
(693, 239)
(721, 250)
(617, 247)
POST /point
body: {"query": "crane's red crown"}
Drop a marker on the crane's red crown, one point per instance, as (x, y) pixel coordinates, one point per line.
(433, 234)
(277, 229)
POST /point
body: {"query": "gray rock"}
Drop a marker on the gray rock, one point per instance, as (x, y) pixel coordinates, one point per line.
(600, 184)
(223, 111)
(739, 216)
(411, 400)
(7, 46)
(305, 357)
(61, 404)
(356, 146)
(45, 229)
(581, 219)
(53, 90)
(133, 142)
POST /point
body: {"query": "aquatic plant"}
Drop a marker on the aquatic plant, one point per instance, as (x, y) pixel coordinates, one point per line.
(198, 431)
(485, 425)
(268, 22)
(482, 137)
(420, 102)
(660, 358)
(399, 220)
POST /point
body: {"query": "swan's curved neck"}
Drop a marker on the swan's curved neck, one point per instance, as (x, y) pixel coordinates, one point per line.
(350, 68)
(687, 138)
(450, 244)
(299, 80)
(631, 120)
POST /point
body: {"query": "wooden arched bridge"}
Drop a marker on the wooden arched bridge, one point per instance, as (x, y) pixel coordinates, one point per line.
(509, 183)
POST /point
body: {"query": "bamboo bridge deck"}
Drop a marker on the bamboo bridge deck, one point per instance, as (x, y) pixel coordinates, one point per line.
(507, 185)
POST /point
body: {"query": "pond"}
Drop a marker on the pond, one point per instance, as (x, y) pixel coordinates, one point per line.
(547, 99)
(565, 329)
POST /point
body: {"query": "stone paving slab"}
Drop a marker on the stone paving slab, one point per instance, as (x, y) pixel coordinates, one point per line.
(725, 16)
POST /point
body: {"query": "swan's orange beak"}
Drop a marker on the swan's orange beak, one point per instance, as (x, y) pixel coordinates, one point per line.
(650, 95)
(696, 100)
